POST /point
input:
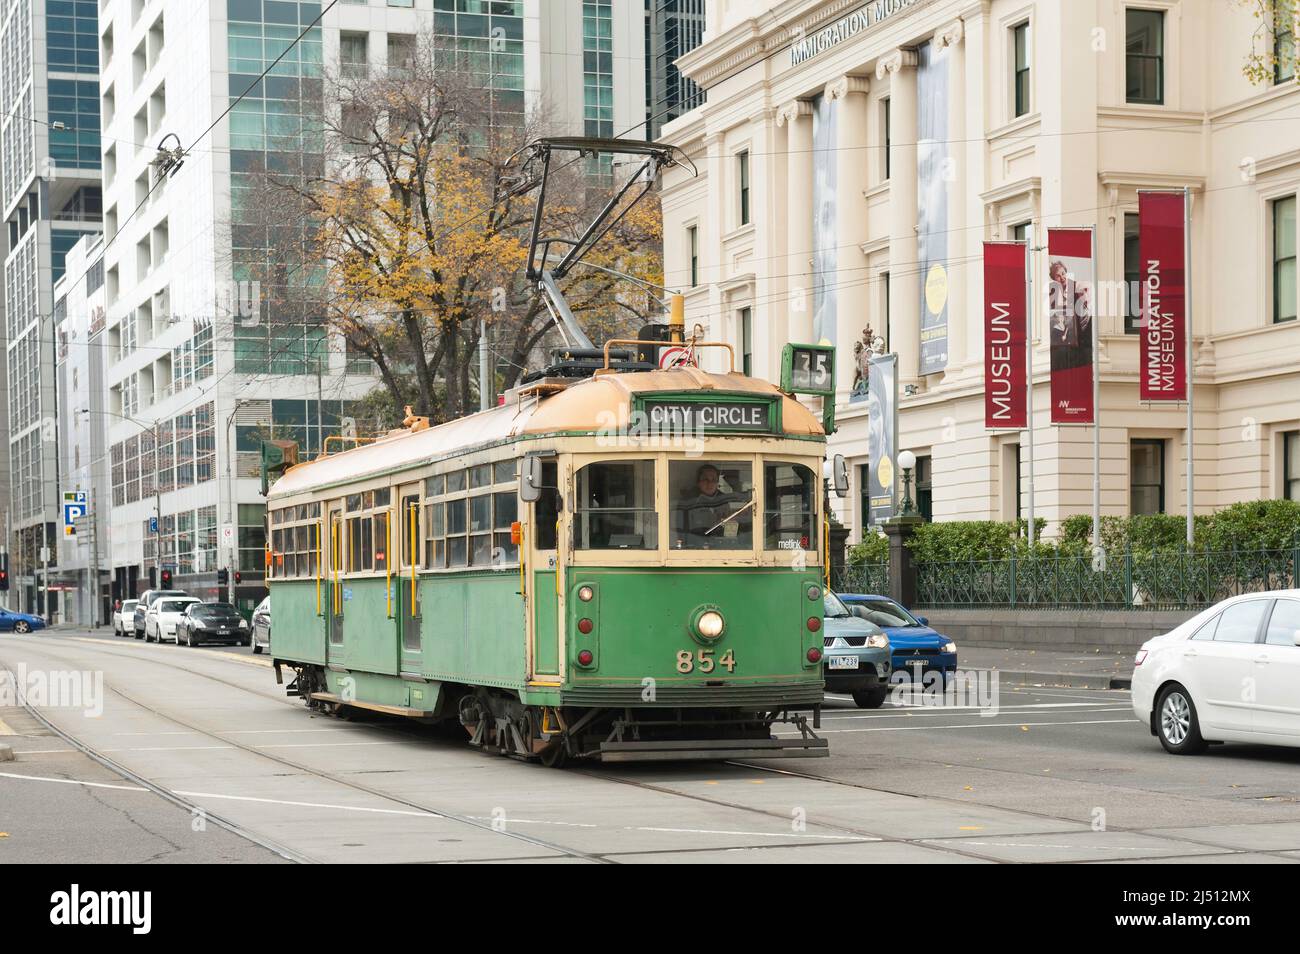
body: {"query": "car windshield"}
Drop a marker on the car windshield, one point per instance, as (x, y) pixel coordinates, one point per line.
(884, 613)
(215, 609)
(173, 606)
(128, 606)
(835, 608)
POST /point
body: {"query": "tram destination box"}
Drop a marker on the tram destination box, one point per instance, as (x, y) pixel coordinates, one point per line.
(720, 413)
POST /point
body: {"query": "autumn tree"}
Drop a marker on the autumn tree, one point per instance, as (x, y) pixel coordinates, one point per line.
(419, 220)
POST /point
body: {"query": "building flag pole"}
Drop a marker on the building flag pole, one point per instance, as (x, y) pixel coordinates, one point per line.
(1029, 378)
(1187, 307)
(1098, 557)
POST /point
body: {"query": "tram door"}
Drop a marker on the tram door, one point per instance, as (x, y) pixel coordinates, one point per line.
(334, 613)
(408, 584)
(543, 601)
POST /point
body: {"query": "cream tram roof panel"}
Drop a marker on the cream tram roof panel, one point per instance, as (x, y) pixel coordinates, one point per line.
(583, 407)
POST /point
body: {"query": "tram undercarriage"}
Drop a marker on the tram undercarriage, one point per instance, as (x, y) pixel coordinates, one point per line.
(497, 722)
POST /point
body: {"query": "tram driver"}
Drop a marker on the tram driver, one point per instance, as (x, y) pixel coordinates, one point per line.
(711, 515)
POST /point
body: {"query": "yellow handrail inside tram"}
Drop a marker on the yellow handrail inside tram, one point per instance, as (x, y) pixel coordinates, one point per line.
(388, 560)
(318, 568)
(336, 559)
(413, 513)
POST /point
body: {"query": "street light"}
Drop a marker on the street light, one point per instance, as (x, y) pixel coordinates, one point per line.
(907, 461)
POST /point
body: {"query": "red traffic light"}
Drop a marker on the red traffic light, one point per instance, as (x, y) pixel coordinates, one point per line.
(239, 577)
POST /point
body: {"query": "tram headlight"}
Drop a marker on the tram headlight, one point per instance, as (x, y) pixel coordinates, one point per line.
(710, 624)
(585, 594)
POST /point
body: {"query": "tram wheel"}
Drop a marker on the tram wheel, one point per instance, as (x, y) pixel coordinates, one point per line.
(554, 756)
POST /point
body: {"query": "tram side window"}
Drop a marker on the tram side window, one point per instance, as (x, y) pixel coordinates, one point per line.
(712, 505)
(461, 530)
(409, 524)
(615, 507)
(505, 511)
(790, 507)
(382, 540)
(361, 555)
(435, 547)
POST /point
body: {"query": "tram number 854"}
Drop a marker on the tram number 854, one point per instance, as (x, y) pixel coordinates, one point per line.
(703, 658)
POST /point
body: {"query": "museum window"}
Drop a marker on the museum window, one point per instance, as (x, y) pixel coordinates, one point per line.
(1020, 77)
(1283, 41)
(1291, 465)
(1284, 259)
(1146, 480)
(742, 171)
(884, 106)
(1144, 63)
(1132, 275)
(924, 485)
(747, 341)
(693, 246)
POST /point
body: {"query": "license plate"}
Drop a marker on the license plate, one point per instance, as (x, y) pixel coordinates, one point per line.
(844, 662)
(225, 632)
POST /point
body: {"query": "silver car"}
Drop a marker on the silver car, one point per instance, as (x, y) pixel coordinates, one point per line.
(262, 626)
(855, 655)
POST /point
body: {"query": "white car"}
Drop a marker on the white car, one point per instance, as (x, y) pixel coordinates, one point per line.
(124, 618)
(160, 623)
(1229, 674)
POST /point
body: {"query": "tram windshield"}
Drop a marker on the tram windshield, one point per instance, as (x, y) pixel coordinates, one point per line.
(615, 507)
(711, 504)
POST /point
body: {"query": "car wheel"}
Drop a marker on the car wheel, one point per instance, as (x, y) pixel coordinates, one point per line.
(1176, 722)
(870, 698)
(257, 647)
(22, 626)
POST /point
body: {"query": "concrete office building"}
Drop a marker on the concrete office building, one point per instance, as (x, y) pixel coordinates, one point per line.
(817, 215)
(49, 198)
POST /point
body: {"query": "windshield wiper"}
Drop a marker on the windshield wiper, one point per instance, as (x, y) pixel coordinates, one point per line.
(729, 517)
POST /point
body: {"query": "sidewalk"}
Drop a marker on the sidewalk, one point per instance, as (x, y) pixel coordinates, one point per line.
(1029, 667)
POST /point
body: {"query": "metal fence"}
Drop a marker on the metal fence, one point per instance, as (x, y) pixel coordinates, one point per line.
(1154, 580)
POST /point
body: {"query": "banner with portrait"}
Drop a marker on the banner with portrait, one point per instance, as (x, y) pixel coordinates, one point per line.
(882, 436)
(1070, 324)
(824, 236)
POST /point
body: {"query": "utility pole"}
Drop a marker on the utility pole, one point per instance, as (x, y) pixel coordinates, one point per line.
(94, 559)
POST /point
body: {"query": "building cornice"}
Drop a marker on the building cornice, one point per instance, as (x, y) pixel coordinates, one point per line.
(758, 37)
(1030, 185)
(1116, 179)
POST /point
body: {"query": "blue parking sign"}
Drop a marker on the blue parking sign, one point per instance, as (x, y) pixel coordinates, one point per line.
(75, 504)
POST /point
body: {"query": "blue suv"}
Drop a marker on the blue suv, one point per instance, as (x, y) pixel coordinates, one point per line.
(914, 645)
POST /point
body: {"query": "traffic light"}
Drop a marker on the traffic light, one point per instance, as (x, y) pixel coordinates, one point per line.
(4, 571)
(153, 577)
(239, 577)
(223, 577)
(166, 579)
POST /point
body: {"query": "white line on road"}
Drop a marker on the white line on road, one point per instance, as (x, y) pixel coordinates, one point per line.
(280, 801)
(763, 834)
(977, 725)
(73, 781)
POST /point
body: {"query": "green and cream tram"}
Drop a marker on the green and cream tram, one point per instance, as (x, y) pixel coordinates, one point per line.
(627, 566)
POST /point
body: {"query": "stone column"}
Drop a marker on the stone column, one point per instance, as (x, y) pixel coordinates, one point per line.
(796, 117)
(851, 280)
(904, 282)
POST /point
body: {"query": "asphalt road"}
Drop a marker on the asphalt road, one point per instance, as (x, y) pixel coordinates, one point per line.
(1054, 775)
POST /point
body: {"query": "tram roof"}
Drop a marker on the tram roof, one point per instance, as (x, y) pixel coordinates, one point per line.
(582, 407)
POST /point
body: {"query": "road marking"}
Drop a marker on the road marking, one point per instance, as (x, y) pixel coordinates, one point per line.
(977, 725)
(280, 801)
(169, 748)
(760, 834)
(44, 751)
(73, 781)
(327, 745)
(903, 712)
(5, 730)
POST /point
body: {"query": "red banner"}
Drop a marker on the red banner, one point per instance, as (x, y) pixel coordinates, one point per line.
(1070, 306)
(1163, 366)
(1004, 336)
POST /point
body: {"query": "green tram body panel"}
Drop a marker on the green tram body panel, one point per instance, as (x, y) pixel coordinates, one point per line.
(472, 633)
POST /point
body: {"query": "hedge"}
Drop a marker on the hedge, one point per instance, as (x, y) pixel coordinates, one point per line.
(1252, 525)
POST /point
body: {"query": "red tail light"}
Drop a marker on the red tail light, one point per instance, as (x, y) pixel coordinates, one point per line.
(584, 626)
(814, 655)
(585, 657)
(814, 623)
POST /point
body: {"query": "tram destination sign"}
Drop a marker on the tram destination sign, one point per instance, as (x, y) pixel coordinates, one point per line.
(709, 414)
